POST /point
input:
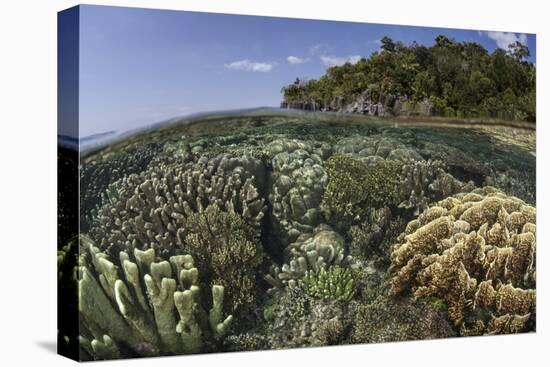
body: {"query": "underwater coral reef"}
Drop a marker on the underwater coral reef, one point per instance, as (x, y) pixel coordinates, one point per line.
(476, 252)
(289, 232)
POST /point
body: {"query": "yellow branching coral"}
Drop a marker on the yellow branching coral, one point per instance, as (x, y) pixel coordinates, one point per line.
(476, 251)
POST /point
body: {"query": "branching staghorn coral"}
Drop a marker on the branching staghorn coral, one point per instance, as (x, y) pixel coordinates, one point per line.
(352, 186)
(228, 252)
(520, 183)
(312, 292)
(284, 144)
(359, 198)
(140, 306)
(149, 210)
(475, 251)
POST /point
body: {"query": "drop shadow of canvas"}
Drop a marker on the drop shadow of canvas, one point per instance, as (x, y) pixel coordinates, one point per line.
(48, 345)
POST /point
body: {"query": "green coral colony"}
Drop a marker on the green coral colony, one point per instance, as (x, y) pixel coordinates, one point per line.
(266, 231)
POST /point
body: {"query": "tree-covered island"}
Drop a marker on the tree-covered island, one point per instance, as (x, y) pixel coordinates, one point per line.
(451, 79)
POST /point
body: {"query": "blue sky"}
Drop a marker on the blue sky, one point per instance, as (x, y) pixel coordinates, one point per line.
(139, 66)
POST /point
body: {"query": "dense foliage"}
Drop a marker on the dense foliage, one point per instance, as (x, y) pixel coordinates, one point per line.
(460, 79)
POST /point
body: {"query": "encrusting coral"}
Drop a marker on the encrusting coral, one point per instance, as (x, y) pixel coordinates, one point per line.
(373, 149)
(298, 320)
(140, 306)
(380, 318)
(476, 252)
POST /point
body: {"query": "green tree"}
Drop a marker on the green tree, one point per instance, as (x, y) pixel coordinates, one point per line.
(518, 51)
(387, 44)
(459, 78)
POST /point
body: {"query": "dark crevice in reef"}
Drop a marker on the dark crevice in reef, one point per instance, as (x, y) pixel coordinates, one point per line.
(270, 245)
(269, 240)
(465, 175)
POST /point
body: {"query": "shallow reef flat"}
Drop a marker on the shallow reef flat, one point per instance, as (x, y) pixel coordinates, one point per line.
(265, 230)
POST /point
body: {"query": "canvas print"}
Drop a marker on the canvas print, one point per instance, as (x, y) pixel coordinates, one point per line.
(239, 183)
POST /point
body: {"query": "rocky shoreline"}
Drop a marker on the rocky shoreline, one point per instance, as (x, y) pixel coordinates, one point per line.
(386, 106)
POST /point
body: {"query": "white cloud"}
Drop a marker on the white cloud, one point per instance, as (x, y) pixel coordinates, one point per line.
(319, 49)
(183, 108)
(504, 39)
(328, 60)
(249, 65)
(294, 60)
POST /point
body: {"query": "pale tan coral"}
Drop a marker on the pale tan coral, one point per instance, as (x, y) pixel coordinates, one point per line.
(143, 306)
(297, 181)
(476, 251)
(311, 252)
(150, 210)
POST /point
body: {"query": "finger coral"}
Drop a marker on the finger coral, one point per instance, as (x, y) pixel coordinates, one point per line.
(106, 168)
(149, 210)
(475, 251)
(140, 306)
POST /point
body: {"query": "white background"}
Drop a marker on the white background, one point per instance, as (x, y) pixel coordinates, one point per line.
(28, 181)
